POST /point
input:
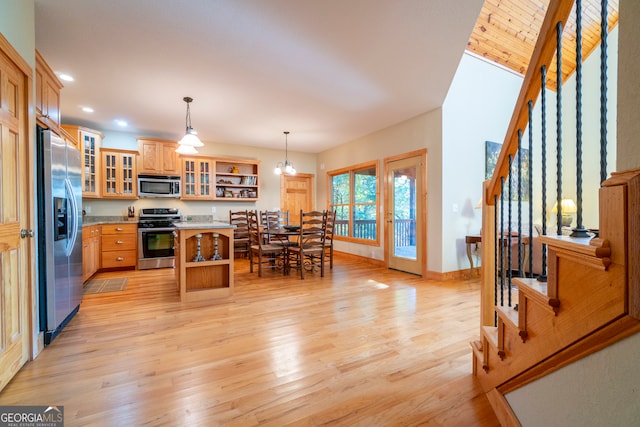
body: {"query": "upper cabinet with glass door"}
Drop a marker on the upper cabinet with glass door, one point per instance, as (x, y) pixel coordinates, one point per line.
(119, 174)
(197, 178)
(89, 141)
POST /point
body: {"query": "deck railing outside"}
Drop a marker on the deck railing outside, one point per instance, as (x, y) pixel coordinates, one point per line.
(405, 230)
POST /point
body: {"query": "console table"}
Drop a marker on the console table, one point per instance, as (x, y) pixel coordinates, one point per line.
(471, 240)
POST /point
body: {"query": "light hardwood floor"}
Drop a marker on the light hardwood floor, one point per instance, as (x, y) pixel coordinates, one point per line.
(362, 346)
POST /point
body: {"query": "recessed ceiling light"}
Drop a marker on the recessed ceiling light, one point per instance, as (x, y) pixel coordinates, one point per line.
(87, 109)
(121, 123)
(65, 77)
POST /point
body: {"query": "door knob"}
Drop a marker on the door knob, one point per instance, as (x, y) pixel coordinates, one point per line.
(26, 233)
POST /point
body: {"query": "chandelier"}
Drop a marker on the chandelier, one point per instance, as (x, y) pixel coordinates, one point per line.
(286, 167)
(190, 139)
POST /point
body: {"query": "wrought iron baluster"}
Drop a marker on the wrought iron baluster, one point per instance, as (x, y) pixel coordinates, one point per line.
(543, 161)
(495, 263)
(579, 231)
(501, 238)
(559, 127)
(604, 32)
(509, 272)
(531, 187)
(520, 202)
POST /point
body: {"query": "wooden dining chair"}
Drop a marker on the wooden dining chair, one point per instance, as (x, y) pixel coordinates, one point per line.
(328, 236)
(241, 232)
(266, 255)
(309, 253)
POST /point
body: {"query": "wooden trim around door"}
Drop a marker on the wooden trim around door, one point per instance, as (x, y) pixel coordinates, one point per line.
(423, 218)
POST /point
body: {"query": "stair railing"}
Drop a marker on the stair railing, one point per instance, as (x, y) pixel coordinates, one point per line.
(505, 186)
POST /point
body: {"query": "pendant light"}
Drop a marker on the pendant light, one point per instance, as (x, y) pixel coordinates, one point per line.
(186, 149)
(190, 137)
(286, 167)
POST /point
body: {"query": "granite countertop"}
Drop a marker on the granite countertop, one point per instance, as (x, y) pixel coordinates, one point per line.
(206, 225)
(99, 220)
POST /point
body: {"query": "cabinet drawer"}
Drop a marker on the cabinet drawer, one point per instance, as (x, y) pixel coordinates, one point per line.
(90, 232)
(117, 259)
(115, 242)
(119, 228)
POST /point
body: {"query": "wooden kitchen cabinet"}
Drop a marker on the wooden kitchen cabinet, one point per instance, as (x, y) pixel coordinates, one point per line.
(68, 138)
(197, 178)
(119, 174)
(119, 243)
(89, 142)
(237, 180)
(158, 156)
(48, 89)
(90, 250)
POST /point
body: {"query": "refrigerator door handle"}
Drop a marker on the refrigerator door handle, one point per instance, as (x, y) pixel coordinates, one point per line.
(71, 217)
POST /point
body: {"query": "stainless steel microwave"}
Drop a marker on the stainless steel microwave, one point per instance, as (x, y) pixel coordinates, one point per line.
(158, 186)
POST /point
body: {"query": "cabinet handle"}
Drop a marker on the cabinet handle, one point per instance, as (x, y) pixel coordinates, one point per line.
(26, 233)
(119, 228)
(119, 259)
(119, 242)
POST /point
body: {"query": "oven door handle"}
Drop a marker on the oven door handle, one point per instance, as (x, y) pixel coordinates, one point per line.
(150, 230)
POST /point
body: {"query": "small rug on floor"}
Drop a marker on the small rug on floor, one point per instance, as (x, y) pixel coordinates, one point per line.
(98, 286)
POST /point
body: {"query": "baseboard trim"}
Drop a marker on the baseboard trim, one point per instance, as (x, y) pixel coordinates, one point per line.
(431, 275)
(376, 262)
(449, 275)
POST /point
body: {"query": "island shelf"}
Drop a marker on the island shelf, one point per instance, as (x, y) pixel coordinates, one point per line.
(207, 279)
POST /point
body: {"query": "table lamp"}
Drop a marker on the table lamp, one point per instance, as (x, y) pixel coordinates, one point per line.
(568, 207)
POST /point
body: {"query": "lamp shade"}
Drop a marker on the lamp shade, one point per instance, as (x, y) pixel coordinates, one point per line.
(191, 140)
(567, 206)
(186, 149)
(190, 137)
(285, 167)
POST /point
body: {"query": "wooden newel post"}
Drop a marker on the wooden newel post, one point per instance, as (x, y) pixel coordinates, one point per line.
(487, 268)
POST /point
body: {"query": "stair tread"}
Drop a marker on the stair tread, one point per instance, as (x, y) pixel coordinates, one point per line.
(531, 284)
(508, 314)
(491, 333)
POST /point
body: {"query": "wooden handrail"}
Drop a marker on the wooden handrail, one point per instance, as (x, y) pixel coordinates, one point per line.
(558, 11)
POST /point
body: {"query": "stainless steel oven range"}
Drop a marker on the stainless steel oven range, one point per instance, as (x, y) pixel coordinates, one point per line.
(155, 237)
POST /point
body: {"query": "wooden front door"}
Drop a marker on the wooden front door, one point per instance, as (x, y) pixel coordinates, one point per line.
(15, 279)
(296, 192)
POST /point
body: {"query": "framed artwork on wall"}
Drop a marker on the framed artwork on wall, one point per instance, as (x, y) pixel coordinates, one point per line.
(492, 152)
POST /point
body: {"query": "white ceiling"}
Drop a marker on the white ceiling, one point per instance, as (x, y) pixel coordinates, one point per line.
(328, 71)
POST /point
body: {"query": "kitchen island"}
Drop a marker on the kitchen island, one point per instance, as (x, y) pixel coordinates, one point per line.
(204, 260)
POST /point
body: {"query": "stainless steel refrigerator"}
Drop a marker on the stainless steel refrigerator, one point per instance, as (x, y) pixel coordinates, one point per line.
(59, 232)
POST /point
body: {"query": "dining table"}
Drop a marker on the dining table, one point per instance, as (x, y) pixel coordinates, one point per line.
(283, 235)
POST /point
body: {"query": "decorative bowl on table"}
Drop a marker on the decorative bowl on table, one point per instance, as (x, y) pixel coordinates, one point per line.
(291, 227)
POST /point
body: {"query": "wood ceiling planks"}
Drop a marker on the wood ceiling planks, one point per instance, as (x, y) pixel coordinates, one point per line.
(506, 32)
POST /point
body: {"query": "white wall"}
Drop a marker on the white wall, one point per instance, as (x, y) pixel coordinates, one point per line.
(17, 25)
(423, 131)
(477, 109)
(269, 182)
(599, 390)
